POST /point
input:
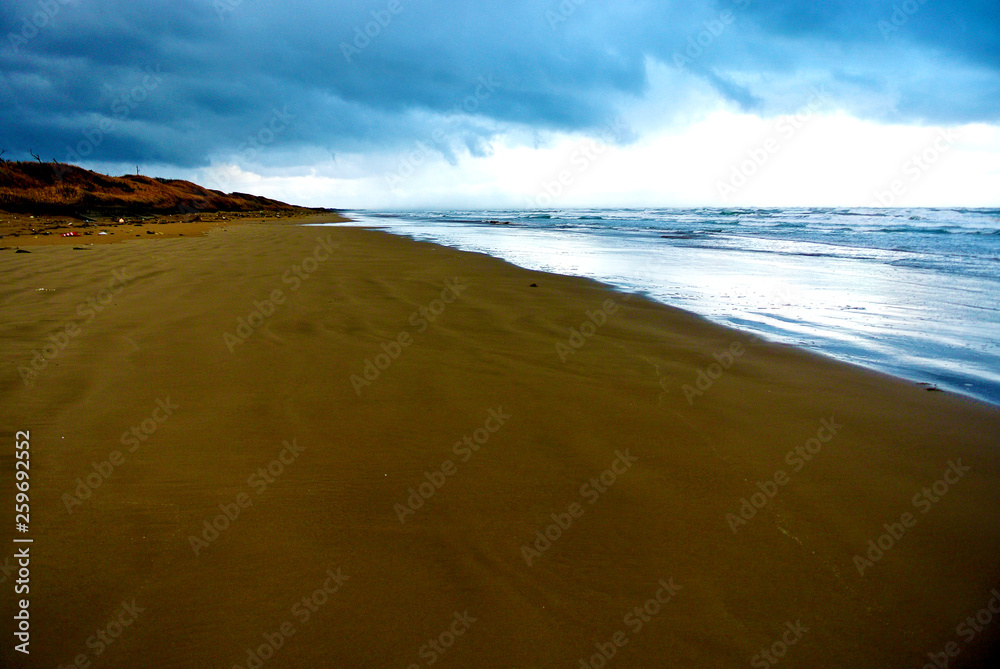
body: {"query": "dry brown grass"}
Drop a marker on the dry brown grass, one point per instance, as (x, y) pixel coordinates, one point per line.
(61, 189)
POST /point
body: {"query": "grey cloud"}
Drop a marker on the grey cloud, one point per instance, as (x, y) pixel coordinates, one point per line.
(226, 64)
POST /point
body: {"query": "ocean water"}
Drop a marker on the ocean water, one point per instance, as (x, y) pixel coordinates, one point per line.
(911, 292)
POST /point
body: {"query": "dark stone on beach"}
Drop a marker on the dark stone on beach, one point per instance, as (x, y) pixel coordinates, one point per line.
(21, 251)
(534, 285)
(80, 248)
(150, 232)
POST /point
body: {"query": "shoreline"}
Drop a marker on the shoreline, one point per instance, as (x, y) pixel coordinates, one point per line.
(192, 225)
(508, 400)
(878, 322)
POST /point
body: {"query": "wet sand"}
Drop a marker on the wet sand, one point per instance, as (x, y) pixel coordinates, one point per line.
(411, 454)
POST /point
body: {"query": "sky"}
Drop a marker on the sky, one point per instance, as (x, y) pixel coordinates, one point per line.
(415, 104)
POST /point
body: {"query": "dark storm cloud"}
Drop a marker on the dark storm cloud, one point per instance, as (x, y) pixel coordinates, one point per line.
(181, 82)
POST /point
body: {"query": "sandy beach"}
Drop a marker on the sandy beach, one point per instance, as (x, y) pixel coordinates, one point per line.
(272, 445)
